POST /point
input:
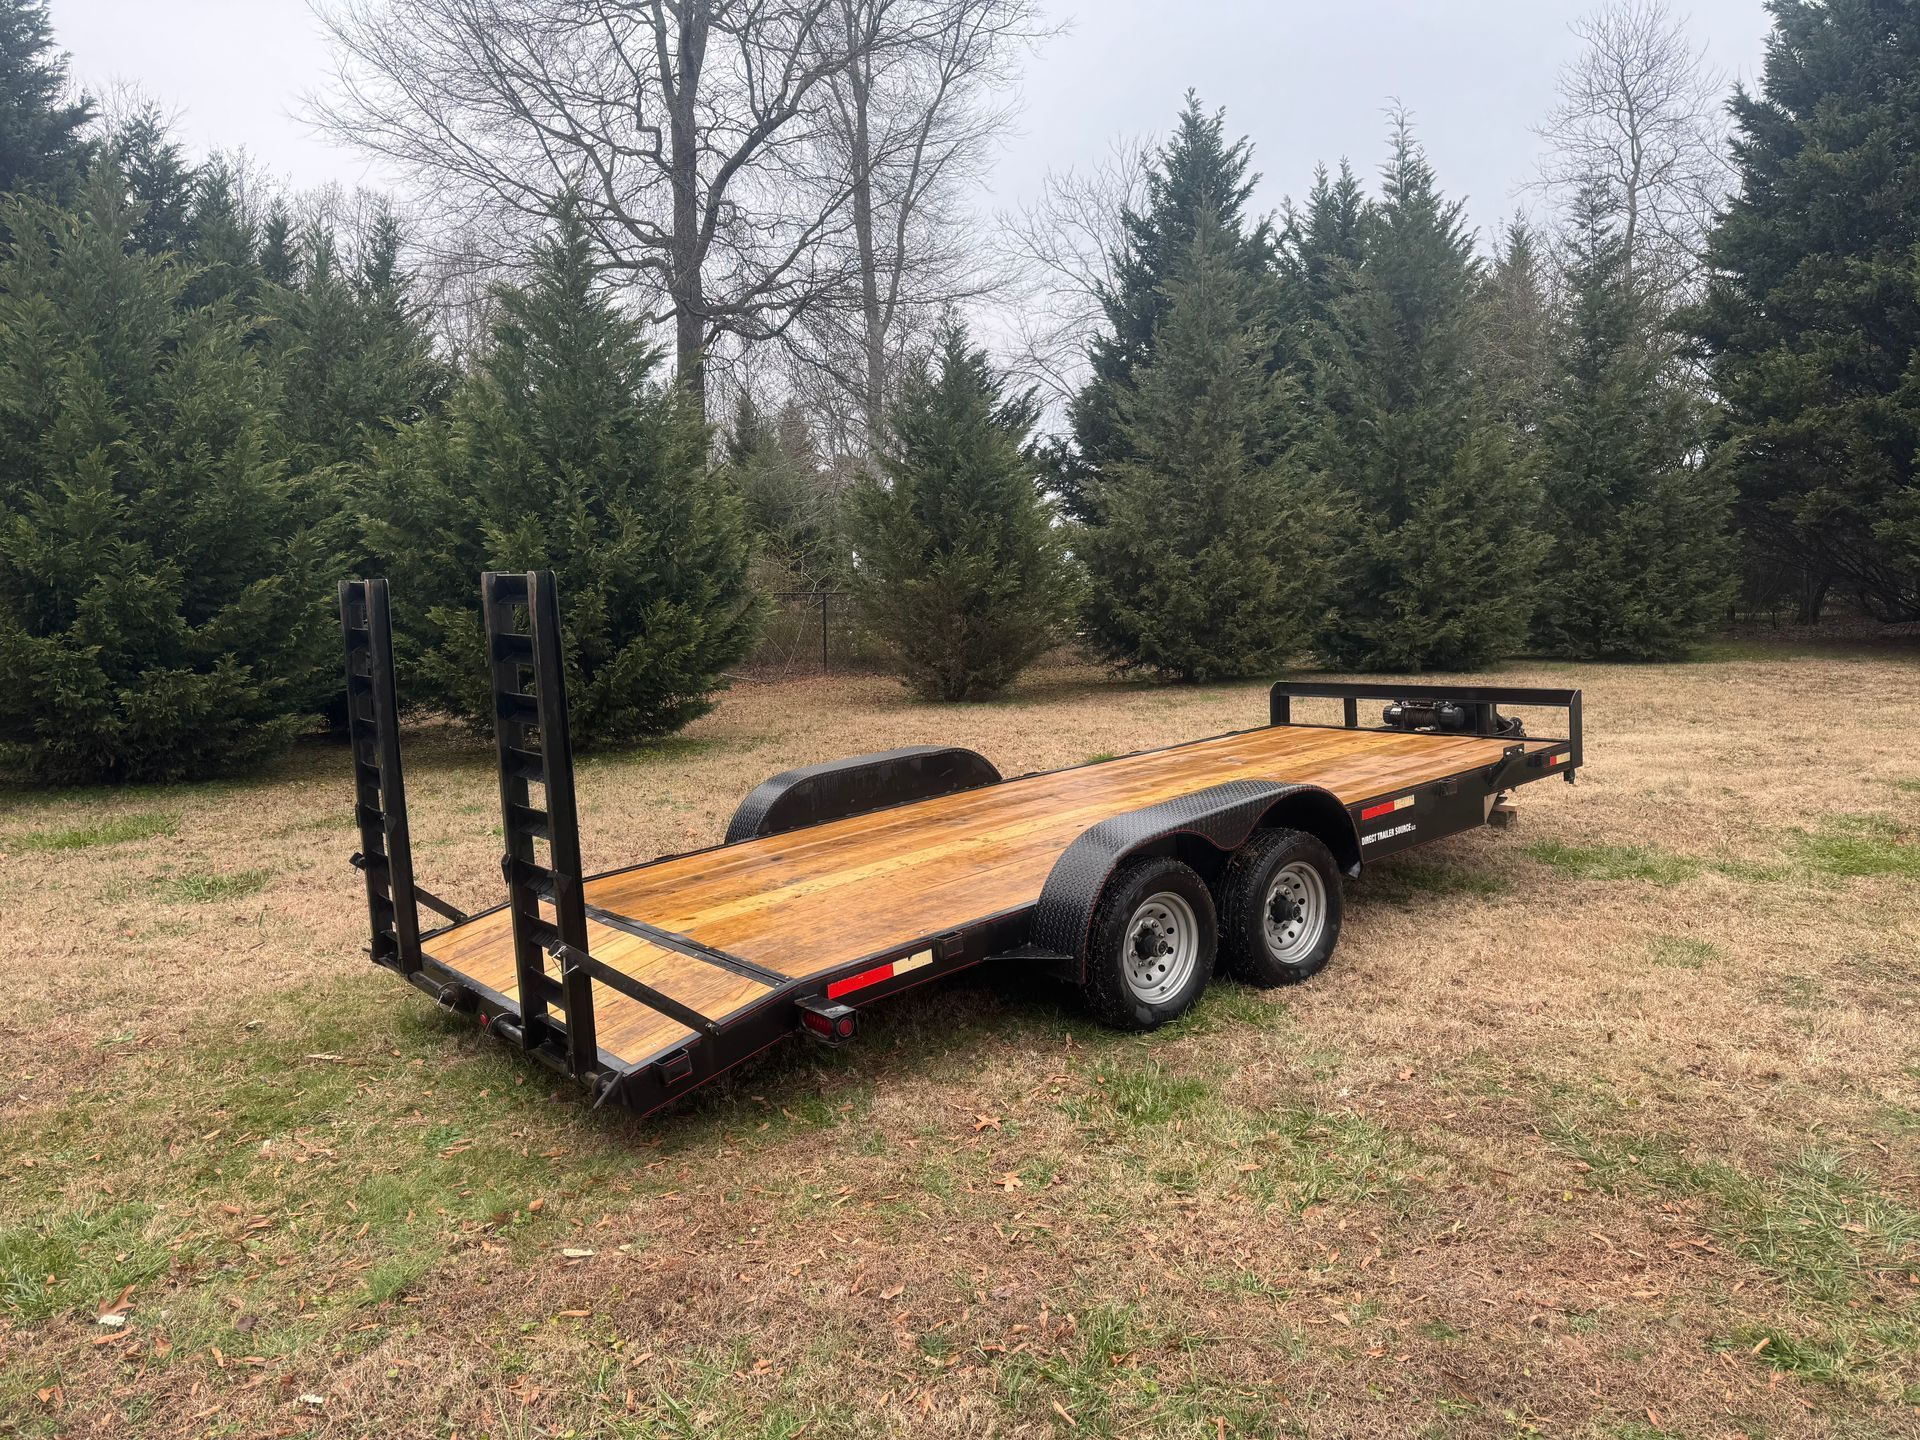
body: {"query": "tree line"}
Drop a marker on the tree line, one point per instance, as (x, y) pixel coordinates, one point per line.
(1338, 435)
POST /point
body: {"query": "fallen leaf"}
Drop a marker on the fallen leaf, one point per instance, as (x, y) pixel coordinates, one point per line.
(1011, 1181)
(893, 1292)
(1060, 1410)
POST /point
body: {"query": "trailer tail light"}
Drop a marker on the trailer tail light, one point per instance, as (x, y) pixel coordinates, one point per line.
(834, 1024)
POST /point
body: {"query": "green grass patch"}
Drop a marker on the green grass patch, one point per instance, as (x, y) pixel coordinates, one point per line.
(114, 830)
(1141, 1095)
(1822, 1231)
(1677, 952)
(1908, 787)
(197, 887)
(1320, 1157)
(1861, 845)
(1615, 862)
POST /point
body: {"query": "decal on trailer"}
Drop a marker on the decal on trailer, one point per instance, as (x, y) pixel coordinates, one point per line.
(1406, 829)
(1386, 807)
(893, 969)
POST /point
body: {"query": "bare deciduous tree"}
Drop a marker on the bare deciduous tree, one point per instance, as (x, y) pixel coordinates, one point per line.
(908, 123)
(1641, 114)
(685, 128)
(1059, 250)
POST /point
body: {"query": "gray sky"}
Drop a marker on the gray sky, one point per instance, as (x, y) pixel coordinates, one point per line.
(1306, 80)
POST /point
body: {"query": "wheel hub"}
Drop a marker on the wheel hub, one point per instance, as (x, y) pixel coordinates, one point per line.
(1162, 946)
(1296, 913)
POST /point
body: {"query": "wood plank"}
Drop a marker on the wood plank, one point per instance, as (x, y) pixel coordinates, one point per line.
(822, 897)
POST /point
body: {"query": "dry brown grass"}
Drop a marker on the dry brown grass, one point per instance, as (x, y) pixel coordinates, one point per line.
(1609, 1126)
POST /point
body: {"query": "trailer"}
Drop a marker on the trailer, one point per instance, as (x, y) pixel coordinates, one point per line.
(841, 884)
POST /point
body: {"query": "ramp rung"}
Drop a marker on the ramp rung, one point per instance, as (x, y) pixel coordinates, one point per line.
(526, 764)
(525, 820)
(510, 645)
(523, 709)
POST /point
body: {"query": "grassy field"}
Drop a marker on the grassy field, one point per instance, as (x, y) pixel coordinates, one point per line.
(1608, 1126)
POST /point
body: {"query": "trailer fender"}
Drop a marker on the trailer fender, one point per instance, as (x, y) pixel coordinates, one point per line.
(1206, 826)
(815, 794)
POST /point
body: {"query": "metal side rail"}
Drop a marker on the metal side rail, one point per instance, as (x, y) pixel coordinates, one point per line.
(1417, 708)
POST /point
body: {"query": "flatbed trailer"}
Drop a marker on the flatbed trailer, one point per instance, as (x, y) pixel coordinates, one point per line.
(841, 884)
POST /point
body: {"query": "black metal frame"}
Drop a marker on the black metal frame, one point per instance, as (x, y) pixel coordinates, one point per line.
(553, 1020)
(1482, 703)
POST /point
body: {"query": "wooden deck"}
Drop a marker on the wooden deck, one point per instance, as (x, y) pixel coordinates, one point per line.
(816, 899)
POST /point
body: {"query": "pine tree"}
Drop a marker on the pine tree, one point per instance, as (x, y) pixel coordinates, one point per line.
(1327, 244)
(1812, 320)
(349, 342)
(774, 466)
(1208, 565)
(1640, 563)
(959, 567)
(1321, 254)
(1196, 171)
(565, 452)
(220, 242)
(160, 605)
(1438, 563)
(160, 181)
(1516, 330)
(278, 253)
(42, 148)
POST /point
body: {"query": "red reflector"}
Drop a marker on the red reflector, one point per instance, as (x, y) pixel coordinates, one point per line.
(1374, 812)
(860, 981)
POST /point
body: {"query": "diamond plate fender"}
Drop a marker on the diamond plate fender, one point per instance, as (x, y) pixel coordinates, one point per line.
(1222, 816)
(814, 794)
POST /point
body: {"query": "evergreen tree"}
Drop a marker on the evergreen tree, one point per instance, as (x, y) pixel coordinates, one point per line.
(959, 567)
(220, 242)
(1321, 255)
(160, 181)
(773, 465)
(1640, 562)
(279, 255)
(1208, 564)
(1196, 171)
(1812, 320)
(1516, 330)
(349, 342)
(1438, 565)
(565, 452)
(160, 606)
(1328, 243)
(41, 144)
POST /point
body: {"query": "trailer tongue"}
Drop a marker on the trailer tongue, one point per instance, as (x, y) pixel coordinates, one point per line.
(843, 883)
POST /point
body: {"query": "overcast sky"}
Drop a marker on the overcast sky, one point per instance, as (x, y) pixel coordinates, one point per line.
(1307, 79)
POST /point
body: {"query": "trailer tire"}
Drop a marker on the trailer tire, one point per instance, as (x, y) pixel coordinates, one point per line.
(1150, 949)
(1280, 908)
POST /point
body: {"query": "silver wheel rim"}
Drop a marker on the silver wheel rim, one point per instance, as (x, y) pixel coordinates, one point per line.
(1161, 947)
(1294, 915)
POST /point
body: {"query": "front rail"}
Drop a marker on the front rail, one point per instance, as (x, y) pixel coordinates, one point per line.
(1481, 704)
